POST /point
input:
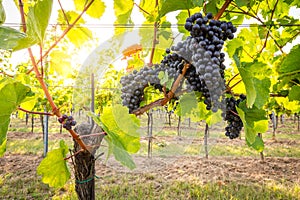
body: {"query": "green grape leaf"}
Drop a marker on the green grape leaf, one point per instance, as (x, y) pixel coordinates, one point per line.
(26, 42)
(59, 63)
(165, 79)
(262, 89)
(12, 94)
(254, 121)
(121, 155)
(290, 64)
(258, 144)
(181, 17)
(214, 117)
(199, 113)
(167, 6)
(70, 16)
(250, 89)
(257, 89)
(79, 35)
(10, 37)
(53, 168)
(211, 6)
(38, 19)
(150, 8)
(123, 9)
(122, 132)
(187, 102)
(2, 14)
(241, 3)
(96, 10)
(294, 93)
(150, 95)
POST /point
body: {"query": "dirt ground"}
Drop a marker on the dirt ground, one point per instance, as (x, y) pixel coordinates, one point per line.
(160, 170)
(220, 169)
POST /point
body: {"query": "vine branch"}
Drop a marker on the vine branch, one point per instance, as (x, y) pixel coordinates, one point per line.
(34, 112)
(39, 77)
(154, 42)
(221, 11)
(165, 100)
(64, 33)
(64, 13)
(269, 29)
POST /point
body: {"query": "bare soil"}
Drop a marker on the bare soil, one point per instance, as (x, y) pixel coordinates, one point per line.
(159, 170)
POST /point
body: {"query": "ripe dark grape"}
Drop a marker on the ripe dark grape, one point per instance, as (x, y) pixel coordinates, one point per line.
(202, 50)
(234, 122)
(133, 86)
(67, 121)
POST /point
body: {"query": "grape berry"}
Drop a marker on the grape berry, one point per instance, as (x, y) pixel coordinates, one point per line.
(67, 121)
(205, 72)
(234, 122)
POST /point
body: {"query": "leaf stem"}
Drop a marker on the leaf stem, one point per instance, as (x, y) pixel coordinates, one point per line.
(141, 8)
(34, 112)
(63, 11)
(232, 78)
(230, 88)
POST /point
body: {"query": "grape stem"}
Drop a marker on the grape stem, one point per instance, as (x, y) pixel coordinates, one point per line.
(34, 112)
(141, 8)
(169, 96)
(232, 78)
(230, 88)
(39, 77)
(234, 113)
(269, 29)
(221, 11)
(64, 13)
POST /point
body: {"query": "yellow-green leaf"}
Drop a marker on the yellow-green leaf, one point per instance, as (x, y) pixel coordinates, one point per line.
(53, 168)
(96, 10)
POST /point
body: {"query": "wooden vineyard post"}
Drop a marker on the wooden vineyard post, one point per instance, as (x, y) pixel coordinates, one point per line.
(149, 133)
(179, 126)
(274, 122)
(84, 162)
(206, 140)
(32, 123)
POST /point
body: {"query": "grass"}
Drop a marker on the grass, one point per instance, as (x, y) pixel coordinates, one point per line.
(134, 186)
(191, 190)
(24, 188)
(32, 146)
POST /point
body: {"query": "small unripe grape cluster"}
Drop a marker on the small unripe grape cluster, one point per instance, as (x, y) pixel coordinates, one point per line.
(67, 121)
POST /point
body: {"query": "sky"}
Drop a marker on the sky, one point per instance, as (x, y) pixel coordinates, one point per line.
(101, 33)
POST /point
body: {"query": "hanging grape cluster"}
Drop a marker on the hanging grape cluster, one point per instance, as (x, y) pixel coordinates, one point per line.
(203, 50)
(67, 121)
(133, 84)
(234, 122)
